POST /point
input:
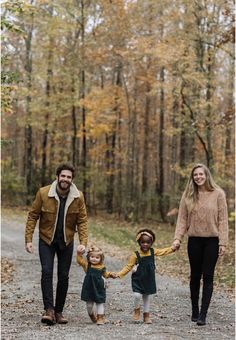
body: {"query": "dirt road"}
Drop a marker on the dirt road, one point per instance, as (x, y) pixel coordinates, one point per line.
(22, 303)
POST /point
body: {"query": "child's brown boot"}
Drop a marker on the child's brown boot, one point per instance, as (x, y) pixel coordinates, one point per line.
(100, 319)
(146, 318)
(136, 315)
(93, 317)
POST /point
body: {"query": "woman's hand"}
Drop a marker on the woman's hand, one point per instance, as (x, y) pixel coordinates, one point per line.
(176, 245)
(222, 250)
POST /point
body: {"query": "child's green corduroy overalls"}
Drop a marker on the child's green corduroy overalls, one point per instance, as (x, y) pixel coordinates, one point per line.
(94, 286)
(143, 280)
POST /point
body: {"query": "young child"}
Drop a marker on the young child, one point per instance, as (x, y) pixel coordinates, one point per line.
(142, 264)
(94, 289)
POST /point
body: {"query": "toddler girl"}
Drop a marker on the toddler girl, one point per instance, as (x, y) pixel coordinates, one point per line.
(93, 289)
(142, 264)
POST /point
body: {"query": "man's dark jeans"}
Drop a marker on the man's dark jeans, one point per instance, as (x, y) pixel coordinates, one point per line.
(64, 258)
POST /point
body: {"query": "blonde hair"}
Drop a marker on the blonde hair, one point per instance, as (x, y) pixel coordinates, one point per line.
(191, 189)
(95, 251)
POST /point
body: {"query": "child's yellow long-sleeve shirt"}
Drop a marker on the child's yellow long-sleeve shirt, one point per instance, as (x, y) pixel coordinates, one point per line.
(133, 258)
(84, 263)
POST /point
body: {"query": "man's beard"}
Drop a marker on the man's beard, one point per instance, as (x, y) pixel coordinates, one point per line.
(64, 185)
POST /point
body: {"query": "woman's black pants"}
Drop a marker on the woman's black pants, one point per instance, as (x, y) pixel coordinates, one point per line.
(64, 258)
(203, 255)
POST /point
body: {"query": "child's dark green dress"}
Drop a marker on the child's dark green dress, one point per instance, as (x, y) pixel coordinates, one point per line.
(93, 288)
(143, 280)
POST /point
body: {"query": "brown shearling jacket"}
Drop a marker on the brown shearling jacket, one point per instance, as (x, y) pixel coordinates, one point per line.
(45, 208)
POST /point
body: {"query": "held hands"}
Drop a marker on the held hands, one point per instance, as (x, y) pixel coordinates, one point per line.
(114, 275)
(175, 245)
(29, 247)
(80, 250)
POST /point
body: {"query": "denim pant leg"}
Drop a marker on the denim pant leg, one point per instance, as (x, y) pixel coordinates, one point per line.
(46, 255)
(64, 258)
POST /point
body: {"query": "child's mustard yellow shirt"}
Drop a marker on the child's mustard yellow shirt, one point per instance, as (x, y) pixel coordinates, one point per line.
(84, 263)
(133, 259)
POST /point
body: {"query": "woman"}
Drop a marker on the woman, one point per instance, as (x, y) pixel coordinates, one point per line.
(203, 216)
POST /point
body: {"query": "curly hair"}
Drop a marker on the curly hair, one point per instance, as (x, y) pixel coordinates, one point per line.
(65, 166)
(147, 232)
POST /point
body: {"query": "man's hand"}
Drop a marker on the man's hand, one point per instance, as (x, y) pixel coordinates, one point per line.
(29, 247)
(81, 249)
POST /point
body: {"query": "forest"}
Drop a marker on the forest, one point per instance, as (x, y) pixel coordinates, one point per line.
(131, 92)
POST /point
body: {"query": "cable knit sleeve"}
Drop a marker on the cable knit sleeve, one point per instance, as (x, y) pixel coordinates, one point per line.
(182, 220)
(222, 219)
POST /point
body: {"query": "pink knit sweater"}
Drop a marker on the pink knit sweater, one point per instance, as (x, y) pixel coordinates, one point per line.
(208, 218)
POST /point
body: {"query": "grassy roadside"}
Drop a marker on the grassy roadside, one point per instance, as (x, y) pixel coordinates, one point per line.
(118, 239)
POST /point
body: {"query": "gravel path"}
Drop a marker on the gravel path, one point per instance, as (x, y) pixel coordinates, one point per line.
(22, 303)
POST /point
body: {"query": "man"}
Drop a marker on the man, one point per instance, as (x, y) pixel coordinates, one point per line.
(61, 211)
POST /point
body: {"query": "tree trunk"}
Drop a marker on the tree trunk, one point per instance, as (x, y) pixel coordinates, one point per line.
(160, 183)
(145, 165)
(110, 167)
(48, 95)
(119, 132)
(28, 128)
(82, 81)
(129, 189)
(74, 146)
(209, 154)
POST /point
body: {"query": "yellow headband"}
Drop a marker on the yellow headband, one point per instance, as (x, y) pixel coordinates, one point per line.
(143, 233)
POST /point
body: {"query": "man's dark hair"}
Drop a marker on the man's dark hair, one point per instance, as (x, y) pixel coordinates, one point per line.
(65, 166)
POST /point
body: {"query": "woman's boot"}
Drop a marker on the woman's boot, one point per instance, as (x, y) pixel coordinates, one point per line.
(194, 291)
(195, 313)
(202, 318)
(206, 299)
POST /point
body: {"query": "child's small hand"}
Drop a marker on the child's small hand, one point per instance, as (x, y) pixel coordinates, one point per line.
(114, 275)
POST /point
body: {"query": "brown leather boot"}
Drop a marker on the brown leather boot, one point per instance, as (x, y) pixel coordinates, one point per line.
(49, 317)
(100, 319)
(136, 314)
(93, 317)
(60, 318)
(146, 318)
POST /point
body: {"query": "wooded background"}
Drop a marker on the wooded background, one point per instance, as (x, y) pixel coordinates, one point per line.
(132, 92)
